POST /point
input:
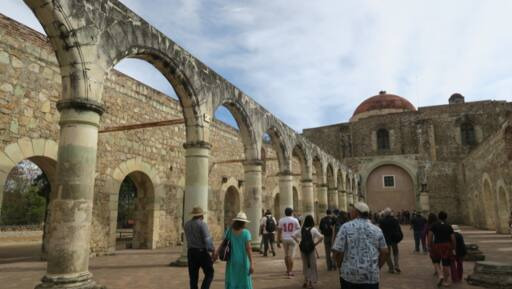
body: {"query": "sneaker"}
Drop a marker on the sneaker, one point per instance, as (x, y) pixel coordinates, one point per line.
(397, 270)
(391, 271)
(273, 254)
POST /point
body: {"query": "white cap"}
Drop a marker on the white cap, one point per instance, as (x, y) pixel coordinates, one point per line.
(362, 207)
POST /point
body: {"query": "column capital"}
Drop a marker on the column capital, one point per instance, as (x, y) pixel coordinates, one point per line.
(81, 104)
(322, 185)
(306, 181)
(197, 145)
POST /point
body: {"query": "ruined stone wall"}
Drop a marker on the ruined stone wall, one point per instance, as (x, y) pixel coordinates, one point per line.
(30, 86)
(485, 182)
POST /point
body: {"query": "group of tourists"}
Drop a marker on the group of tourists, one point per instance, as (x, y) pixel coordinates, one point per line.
(355, 244)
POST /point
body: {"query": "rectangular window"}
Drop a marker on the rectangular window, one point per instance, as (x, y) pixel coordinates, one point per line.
(389, 181)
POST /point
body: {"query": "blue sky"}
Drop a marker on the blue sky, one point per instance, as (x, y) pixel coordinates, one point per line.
(312, 62)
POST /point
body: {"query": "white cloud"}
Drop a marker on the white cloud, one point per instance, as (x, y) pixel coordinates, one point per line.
(312, 62)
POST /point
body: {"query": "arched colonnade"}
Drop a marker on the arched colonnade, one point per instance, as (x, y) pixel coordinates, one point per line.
(89, 38)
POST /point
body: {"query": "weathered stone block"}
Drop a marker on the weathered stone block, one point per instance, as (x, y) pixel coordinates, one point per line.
(491, 275)
(26, 147)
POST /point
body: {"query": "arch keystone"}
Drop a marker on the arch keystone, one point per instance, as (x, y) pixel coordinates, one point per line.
(26, 147)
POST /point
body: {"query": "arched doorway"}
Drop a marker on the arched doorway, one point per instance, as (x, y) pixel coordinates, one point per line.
(489, 204)
(296, 203)
(231, 205)
(135, 212)
(503, 211)
(277, 204)
(390, 186)
(23, 207)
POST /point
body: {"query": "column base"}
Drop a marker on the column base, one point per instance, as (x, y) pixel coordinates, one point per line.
(182, 261)
(83, 281)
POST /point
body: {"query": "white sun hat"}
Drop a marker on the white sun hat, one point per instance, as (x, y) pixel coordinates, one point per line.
(242, 217)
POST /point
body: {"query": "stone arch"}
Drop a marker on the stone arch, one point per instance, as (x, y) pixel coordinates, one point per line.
(331, 181)
(300, 153)
(245, 123)
(81, 77)
(146, 180)
(408, 167)
(177, 78)
(232, 205)
(318, 165)
(276, 203)
(296, 199)
(43, 153)
(397, 194)
(284, 157)
(503, 207)
(488, 202)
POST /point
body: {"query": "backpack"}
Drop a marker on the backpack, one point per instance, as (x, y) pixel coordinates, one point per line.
(326, 226)
(306, 245)
(398, 236)
(270, 225)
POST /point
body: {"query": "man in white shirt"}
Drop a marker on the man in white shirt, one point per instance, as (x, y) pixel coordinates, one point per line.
(287, 226)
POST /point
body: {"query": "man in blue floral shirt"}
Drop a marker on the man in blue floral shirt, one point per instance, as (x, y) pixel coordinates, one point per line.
(360, 250)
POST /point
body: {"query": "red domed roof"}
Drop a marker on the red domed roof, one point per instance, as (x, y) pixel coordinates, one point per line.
(383, 102)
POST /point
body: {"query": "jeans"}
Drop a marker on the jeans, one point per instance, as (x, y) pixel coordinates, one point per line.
(199, 258)
(348, 285)
(417, 239)
(392, 260)
(328, 259)
(268, 239)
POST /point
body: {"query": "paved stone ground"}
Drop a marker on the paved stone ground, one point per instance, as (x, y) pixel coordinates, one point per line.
(146, 269)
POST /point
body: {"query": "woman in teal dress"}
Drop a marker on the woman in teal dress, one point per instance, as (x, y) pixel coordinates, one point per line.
(239, 267)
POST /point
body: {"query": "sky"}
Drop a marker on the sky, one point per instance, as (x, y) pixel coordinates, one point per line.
(312, 62)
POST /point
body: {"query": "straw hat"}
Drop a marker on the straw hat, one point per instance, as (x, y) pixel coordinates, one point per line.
(197, 211)
(242, 217)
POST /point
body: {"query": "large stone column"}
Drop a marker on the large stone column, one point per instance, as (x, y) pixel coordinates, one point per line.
(308, 202)
(253, 199)
(69, 227)
(342, 200)
(196, 185)
(350, 199)
(285, 191)
(322, 199)
(333, 198)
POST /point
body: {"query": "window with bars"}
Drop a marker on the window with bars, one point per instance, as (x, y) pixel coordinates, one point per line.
(389, 181)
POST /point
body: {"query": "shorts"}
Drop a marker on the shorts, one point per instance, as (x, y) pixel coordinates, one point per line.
(289, 248)
(441, 253)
